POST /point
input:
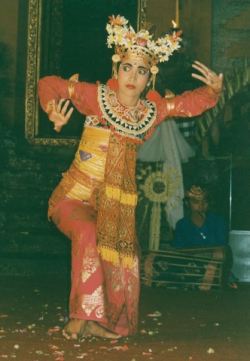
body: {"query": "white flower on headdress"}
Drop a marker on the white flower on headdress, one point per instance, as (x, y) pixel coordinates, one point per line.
(130, 37)
(117, 20)
(122, 35)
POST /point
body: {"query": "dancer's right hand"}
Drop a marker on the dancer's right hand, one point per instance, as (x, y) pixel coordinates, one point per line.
(59, 114)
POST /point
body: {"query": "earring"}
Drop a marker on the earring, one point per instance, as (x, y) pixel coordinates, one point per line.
(154, 70)
(115, 59)
(149, 82)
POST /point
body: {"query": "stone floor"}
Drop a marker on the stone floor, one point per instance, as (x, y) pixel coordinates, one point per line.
(175, 325)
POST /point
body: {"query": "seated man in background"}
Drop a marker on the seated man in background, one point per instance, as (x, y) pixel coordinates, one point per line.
(200, 228)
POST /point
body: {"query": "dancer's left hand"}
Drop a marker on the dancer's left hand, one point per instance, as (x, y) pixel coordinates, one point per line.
(208, 77)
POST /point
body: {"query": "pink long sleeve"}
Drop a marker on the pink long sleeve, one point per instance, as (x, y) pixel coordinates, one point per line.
(189, 104)
(53, 87)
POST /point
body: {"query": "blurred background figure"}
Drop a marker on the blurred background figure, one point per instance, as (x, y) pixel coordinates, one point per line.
(201, 228)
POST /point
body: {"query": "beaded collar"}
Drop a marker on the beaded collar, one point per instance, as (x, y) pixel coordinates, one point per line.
(128, 121)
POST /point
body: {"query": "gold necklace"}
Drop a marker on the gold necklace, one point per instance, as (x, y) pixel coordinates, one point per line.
(135, 121)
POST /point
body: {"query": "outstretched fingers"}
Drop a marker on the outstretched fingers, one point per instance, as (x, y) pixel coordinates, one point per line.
(60, 105)
(59, 113)
(201, 67)
(207, 76)
(68, 114)
(62, 108)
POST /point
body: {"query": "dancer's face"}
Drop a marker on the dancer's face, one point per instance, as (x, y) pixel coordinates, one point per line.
(133, 76)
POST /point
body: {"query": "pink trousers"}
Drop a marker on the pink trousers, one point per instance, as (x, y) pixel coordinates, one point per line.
(77, 220)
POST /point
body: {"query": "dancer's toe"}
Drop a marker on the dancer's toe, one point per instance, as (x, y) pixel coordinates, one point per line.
(95, 329)
(74, 329)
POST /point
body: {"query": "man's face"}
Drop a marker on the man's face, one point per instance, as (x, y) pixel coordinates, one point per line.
(198, 205)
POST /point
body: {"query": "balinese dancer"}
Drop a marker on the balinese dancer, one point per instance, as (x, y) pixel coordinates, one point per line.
(94, 204)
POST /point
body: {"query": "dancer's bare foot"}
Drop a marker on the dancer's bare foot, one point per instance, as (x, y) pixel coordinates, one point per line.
(74, 329)
(94, 329)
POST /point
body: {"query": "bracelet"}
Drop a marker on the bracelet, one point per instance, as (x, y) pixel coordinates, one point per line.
(72, 82)
(49, 107)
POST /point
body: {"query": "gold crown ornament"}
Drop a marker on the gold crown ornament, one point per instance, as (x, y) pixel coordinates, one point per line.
(123, 37)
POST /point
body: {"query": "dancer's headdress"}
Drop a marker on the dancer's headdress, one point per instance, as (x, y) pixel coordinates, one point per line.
(123, 37)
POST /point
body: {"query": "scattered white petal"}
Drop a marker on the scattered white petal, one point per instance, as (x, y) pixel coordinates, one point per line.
(154, 314)
(82, 355)
(39, 352)
(120, 348)
(4, 316)
(113, 342)
(210, 350)
(30, 327)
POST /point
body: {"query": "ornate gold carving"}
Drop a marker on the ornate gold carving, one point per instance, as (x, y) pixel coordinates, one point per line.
(34, 21)
(35, 12)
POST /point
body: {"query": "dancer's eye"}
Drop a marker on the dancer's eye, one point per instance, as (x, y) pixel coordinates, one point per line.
(143, 71)
(126, 67)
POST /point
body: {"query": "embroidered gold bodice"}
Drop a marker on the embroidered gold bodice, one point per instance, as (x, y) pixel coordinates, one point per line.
(88, 168)
(128, 121)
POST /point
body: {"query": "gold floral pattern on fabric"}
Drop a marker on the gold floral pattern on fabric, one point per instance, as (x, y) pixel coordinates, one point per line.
(133, 290)
(122, 289)
(116, 233)
(92, 302)
(129, 121)
(90, 263)
(119, 195)
(116, 217)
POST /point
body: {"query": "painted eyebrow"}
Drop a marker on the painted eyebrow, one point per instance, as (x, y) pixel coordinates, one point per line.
(143, 67)
(139, 67)
(127, 64)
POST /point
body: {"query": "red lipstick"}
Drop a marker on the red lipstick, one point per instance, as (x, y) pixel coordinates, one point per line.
(130, 86)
